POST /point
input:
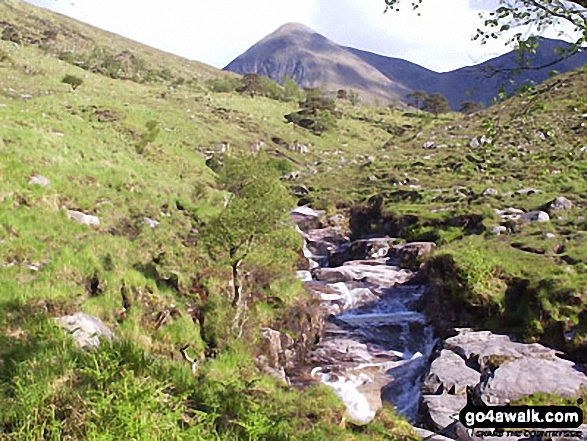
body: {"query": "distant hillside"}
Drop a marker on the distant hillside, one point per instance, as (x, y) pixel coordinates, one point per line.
(312, 60)
(479, 83)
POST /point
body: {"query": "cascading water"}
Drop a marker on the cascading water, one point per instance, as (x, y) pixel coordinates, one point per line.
(375, 345)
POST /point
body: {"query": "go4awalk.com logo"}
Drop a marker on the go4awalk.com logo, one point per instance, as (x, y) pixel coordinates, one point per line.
(519, 420)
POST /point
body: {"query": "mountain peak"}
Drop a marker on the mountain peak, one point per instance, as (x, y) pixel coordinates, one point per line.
(290, 28)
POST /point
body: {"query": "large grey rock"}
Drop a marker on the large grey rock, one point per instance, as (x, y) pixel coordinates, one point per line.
(487, 349)
(85, 329)
(376, 274)
(522, 377)
(449, 373)
(535, 216)
(490, 192)
(361, 249)
(441, 409)
(82, 218)
(560, 203)
(409, 254)
(306, 217)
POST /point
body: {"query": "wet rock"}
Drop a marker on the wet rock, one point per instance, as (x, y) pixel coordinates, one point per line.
(560, 203)
(322, 242)
(39, 180)
(82, 218)
(377, 275)
(535, 216)
(304, 276)
(361, 250)
(85, 329)
(449, 373)
(306, 217)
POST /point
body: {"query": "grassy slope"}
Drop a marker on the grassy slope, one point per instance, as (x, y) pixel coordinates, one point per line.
(92, 145)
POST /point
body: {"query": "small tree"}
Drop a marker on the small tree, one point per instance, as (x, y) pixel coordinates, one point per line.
(291, 91)
(469, 107)
(436, 104)
(73, 81)
(354, 97)
(418, 97)
(254, 217)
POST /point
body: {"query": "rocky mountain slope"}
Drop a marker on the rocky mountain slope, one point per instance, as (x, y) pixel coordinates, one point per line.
(312, 60)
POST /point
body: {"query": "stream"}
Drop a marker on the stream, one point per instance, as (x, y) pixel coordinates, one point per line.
(376, 344)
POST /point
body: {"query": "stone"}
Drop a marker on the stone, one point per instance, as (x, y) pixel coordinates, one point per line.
(150, 222)
(490, 192)
(410, 254)
(449, 373)
(528, 191)
(39, 180)
(306, 217)
(560, 203)
(535, 216)
(82, 218)
(85, 329)
(440, 409)
(499, 229)
(304, 276)
(360, 250)
(376, 274)
(429, 145)
(526, 376)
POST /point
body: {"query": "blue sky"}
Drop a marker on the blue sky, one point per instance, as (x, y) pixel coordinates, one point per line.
(217, 31)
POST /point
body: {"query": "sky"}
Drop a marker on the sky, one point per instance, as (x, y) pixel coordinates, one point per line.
(217, 31)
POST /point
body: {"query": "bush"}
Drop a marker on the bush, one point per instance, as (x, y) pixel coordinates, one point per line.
(73, 81)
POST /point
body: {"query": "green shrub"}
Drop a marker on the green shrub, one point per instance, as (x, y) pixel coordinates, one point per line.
(73, 81)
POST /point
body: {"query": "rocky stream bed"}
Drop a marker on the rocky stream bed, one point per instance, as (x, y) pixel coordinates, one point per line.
(377, 344)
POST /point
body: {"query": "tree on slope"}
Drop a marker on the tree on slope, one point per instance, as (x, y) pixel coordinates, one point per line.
(254, 217)
(418, 97)
(436, 104)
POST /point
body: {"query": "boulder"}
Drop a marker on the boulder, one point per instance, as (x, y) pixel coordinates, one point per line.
(409, 254)
(490, 192)
(39, 180)
(85, 329)
(535, 216)
(449, 373)
(150, 222)
(499, 229)
(525, 376)
(361, 250)
(560, 203)
(82, 218)
(306, 217)
(376, 274)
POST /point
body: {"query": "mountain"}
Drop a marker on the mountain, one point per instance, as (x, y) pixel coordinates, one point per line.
(312, 60)
(478, 83)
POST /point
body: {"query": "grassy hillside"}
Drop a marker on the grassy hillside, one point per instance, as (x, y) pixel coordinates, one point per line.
(129, 143)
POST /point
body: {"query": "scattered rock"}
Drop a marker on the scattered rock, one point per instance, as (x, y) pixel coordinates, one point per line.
(560, 203)
(39, 180)
(85, 329)
(528, 191)
(82, 218)
(150, 222)
(490, 192)
(499, 230)
(535, 216)
(306, 217)
(429, 145)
